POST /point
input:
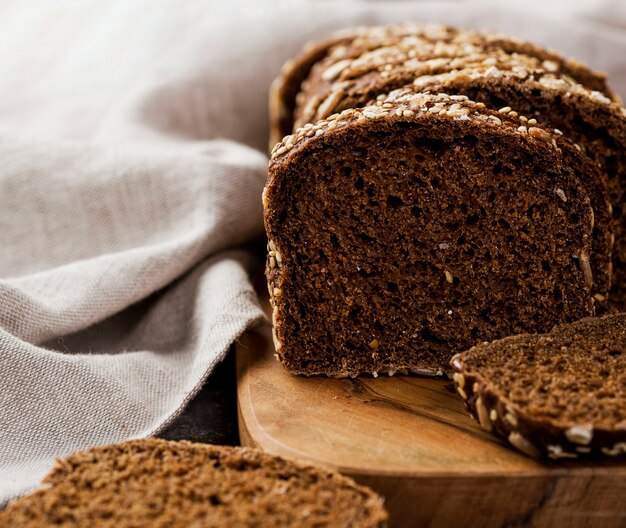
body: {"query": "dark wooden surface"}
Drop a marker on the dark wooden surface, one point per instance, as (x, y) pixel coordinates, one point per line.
(211, 417)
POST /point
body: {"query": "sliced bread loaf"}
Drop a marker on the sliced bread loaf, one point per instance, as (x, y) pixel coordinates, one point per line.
(327, 57)
(156, 483)
(349, 79)
(404, 232)
(559, 394)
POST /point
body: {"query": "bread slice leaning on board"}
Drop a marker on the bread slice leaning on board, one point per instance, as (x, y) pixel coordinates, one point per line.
(559, 394)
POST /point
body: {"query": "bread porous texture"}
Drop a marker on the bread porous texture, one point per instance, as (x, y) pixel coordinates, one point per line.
(595, 125)
(559, 394)
(408, 231)
(158, 483)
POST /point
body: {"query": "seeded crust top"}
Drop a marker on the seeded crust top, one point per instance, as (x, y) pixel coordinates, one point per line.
(553, 61)
(354, 80)
(158, 483)
(407, 103)
(546, 79)
(351, 42)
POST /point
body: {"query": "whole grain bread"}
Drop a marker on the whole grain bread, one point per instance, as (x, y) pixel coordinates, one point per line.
(407, 231)
(158, 483)
(559, 394)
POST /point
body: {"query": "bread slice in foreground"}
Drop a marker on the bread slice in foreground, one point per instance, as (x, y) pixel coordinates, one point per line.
(559, 394)
(405, 232)
(158, 483)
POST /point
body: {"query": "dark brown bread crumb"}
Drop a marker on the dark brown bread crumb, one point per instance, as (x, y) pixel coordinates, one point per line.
(492, 87)
(559, 394)
(589, 119)
(158, 483)
(405, 232)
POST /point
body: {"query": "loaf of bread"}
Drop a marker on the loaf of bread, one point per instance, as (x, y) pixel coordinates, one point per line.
(374, 194)
(404, 232)
(559, 394)
(155, 483)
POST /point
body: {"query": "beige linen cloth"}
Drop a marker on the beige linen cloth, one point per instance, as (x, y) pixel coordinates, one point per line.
(132, 160)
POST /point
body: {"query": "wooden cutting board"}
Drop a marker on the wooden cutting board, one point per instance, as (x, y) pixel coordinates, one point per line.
(411, 439)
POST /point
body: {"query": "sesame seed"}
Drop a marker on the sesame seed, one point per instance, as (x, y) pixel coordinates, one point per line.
(532, 121)
(483, 416)
(504, 110)
(561, 194)
(522, 129)
(449, 276)
(495, 119)
(408, 113)
(511, 418)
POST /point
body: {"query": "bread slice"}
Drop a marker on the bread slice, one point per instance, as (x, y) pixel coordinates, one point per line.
(157, 483)
(404, 232)
(354, 80)
(594, 123)
(559, 394)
